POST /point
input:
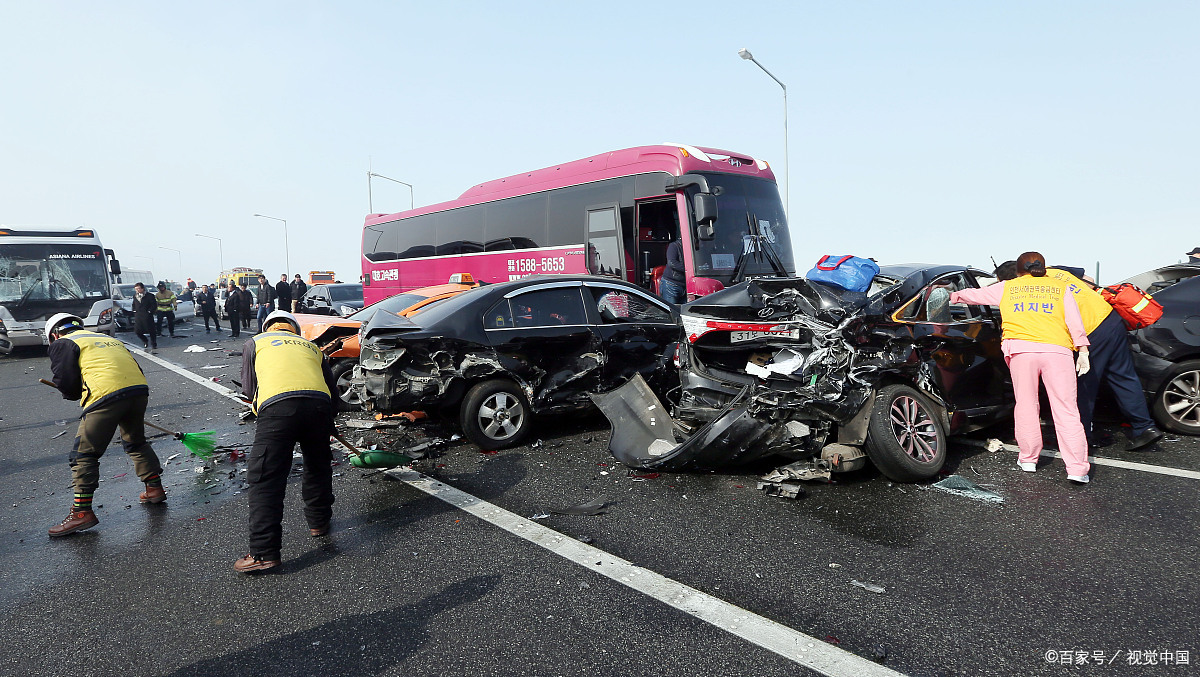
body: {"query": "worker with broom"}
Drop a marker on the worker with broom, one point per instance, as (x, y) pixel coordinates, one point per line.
(97, 370)
(289, 385)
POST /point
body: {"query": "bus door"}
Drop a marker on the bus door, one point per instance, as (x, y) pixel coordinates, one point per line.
(657, 226)
(605, 252)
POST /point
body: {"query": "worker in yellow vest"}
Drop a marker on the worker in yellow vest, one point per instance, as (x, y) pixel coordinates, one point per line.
(1041, 328)
(167, 303)
(287, 380)
(1110, 360)
(98, 370)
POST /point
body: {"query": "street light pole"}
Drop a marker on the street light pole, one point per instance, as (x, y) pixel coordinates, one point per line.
(178, 254)
(287, 257)
(787, 168)
(220, 248)
(412, 202)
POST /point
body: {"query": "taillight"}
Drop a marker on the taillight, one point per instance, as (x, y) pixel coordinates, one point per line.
(695, 327)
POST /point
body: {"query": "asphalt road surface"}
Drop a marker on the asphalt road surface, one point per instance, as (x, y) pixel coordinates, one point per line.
(712, 576)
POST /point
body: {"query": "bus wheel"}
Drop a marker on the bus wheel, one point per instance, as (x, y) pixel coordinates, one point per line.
(495, 414)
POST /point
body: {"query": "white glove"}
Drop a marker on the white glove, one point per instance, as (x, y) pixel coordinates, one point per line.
(1082, 363)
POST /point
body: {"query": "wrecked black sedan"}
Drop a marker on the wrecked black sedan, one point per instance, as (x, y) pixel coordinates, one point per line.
(1167, 353)
(805, 370)
(499, 354)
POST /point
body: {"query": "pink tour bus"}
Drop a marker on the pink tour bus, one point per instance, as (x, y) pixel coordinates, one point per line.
(611, 214)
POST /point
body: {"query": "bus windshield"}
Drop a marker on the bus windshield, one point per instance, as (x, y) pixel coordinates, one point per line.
(750, 231)
(44, 273)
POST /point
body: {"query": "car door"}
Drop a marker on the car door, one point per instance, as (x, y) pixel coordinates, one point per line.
(959, 346)
(542, 333)
(636, 332)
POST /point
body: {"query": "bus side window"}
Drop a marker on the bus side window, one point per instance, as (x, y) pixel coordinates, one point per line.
(603, 250)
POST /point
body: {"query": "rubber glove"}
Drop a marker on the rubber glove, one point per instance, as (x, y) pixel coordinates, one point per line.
(1082, 363)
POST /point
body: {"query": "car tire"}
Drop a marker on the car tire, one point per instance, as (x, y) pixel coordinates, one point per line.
(1177, 404)
(495, 414)
(905, 436)
(345, 399)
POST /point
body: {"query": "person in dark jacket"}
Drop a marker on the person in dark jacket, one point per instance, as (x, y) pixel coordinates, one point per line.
(265, 298)
(98, 370)
(247, 307)
(673, 284)
(298, 290)
(233, 308)
(208, 307)
(144, 307)
(289, 384)
(283, 294)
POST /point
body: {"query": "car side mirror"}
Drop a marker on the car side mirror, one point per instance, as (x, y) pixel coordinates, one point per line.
(705, 207)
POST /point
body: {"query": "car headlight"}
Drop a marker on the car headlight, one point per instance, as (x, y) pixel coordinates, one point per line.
(379, 359)
(346, 310)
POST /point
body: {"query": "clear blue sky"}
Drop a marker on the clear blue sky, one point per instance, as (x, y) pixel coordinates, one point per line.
(919, 131)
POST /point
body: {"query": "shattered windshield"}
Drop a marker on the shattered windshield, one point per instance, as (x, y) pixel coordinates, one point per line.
(52, 272)
(750, 227)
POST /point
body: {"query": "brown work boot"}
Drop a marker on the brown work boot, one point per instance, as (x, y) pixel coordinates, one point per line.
(154, 493)
(76, 520)
(251, 564)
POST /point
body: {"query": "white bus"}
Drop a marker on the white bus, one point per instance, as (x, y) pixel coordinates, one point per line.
(43, 272)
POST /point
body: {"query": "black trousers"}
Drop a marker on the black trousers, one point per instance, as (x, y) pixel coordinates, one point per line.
(145, 325)
(169, 316)
(1112, 361)
(235, 325)
(210, 312)
(281, 425)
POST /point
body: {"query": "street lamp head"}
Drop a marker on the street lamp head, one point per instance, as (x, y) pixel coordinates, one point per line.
(745, 54)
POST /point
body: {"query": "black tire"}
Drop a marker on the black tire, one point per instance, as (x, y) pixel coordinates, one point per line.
(1177, 405)
(495, 414)
(905, 436)
(345, 399)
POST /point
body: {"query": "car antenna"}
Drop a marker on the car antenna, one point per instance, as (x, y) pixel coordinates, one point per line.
(994, 266)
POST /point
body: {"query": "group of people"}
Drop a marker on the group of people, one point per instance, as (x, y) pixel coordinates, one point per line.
(287, 382)
(1059, 332)
(150, 311)
(241, 303)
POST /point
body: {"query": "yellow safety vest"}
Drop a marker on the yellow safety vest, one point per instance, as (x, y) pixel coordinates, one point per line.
(106, 366)
(165, 303)
(286, 364)
(1092, 306)
(1032, 310)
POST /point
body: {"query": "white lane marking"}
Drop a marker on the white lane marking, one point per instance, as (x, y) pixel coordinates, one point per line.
(1100, 460)
(796, 646)
(183, 371)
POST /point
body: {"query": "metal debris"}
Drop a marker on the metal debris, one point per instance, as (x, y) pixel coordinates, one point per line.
(782, 489)
(800, 470)
(869, 587)
(588, 509)
(961, 486)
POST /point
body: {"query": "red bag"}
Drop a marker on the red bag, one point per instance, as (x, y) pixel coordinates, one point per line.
(1134, 306)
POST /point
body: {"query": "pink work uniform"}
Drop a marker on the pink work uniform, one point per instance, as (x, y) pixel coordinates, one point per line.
(1054, 365)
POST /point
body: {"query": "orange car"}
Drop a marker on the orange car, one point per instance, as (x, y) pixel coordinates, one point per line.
(324, 330)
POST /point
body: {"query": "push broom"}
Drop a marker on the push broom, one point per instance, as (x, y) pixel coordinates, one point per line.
(201, 444)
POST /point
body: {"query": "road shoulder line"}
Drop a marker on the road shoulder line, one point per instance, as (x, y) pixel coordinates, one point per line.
(1100, 460)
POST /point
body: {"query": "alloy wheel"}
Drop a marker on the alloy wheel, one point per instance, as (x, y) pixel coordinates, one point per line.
(914, 429)
(501, 416)
(1181, 398)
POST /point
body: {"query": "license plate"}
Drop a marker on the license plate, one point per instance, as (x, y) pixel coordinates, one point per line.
(740, 336)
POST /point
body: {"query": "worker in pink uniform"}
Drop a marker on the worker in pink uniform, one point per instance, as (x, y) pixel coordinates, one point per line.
(1042, 326)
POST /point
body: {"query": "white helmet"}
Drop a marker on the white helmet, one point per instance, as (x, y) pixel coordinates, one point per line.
(281, 315)
(60, 319)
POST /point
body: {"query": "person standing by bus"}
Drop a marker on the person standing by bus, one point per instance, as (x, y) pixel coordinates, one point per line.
(247, 306)
(673, 283)
(265, 300)
(298, 291)
(144, 306)
(98, 370)
(167, 303)
(1041, 326)
(233, 308)
(288, 381)
(283, 294)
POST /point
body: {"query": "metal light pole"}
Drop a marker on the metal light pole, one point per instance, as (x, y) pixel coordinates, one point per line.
(745, 54)
(178, 254)
(287, 257)
(370, 201)
(220, 248)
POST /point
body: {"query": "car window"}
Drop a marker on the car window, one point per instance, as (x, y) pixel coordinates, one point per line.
(499, 316)
(932, 303)
(548, 307)
(618, 306)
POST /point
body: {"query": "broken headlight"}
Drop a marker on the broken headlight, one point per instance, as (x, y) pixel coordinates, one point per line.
(380, 359)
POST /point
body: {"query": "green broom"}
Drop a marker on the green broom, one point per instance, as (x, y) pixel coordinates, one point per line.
(201, 444)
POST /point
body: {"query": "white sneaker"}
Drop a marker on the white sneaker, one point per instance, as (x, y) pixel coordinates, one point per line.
(1028, 467)
(1082, 479)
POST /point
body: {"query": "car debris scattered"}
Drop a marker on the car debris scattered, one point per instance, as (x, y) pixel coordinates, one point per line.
(588, 509)
(961, 486)
(869, 587)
